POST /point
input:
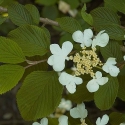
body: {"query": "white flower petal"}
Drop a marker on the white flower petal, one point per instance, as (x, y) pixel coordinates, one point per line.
(59, 63)
(124, 57)
(102, 80)
(79, 111)
(55, 49)
(103, 40)
(104, 119)
(98, 74)
(98, 121)
(78, 80)
(92, 85)
(50, 60)
(122, 123)
(114, 71)
(35, 123)
(105, 68)
(78, 36)
(71, 87)
(111, 61)
(65, 78)
(67, 47)
(44, 121)
(63, 120)
(74, 113)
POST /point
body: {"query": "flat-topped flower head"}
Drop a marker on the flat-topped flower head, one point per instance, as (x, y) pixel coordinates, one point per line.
(83, 37)
(65, 104)
(109, 67)
(57, 60)
(93, 85)
(63, 120)
(43, 121)
(70, 81)
(79, 111)
(102, 121)
(101, 39)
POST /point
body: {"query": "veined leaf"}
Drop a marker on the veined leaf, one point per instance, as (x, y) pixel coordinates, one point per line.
(69, 24)
(39, 95)
(87, 17)
(19, 14)
(106, 19)
(106, 95)
(10, 76)
(112, 50)
(117, 4)
(121, 92)
(10, 52)
(32, 39)
(33, 12)
(116, 118)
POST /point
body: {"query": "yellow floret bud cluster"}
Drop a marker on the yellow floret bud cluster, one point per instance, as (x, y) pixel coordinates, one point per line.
(85, 60)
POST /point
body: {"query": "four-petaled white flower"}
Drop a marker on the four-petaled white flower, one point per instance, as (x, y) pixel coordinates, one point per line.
(65, 104)
(57, 60)
(43, 121)
(70, 81)
(109, 67)
(83, 37)
(101, 39)
(122, 123)
(93, 85)
(63, 120)
(79, 111)
(102, 121)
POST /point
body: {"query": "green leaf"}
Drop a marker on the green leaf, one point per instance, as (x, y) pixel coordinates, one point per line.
(2, 19)
(10, 76)
(117, 4)
(46, 2)
(33, 12)
(39, 95)
(10, 52)
(112, 50)
(19, 14)
(50, 12)
(116, 118)
(81, 94)
(106, 19)
(121, 91)
(33, 40)
(87, 17)
(106, 95)
(69, 24)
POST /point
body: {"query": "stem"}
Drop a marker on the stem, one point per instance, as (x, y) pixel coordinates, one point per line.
(32, 63)
(43, 20)
(98, 67)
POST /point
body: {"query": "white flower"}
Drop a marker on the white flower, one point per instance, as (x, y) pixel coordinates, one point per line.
(93, 85)
(124, 57)
(101, 39)
(65, 104)
(43, 121)
(83, 38)
(122, 123)
(63, 120)
(102, 121)
(57, 60)
(70, 81)
(109, 67)
(79, 111)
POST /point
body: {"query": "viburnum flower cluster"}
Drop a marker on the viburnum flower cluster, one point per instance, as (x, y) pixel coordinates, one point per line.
(85, 60)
